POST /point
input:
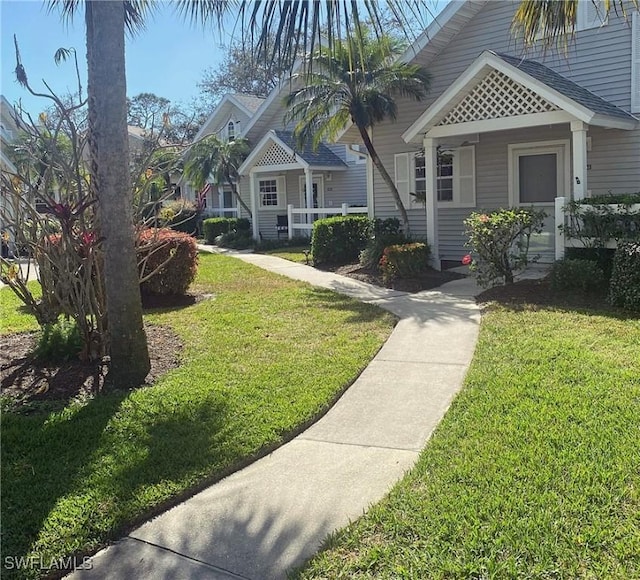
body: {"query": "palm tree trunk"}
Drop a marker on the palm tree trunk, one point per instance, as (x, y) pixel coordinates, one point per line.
(386, 178)
(234, 190)
(110, 177)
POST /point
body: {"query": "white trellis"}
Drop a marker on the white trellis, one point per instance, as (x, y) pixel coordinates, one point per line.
(275, 155)
(497, 96)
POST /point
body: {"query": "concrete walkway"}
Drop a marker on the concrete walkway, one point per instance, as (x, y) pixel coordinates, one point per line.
(273, 515)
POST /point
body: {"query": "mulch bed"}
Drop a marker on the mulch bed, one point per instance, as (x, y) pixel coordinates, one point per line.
(428, 280)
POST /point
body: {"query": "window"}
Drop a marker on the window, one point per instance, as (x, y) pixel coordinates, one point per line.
(455, 177)
(590, 14)
(231, 131)
(271, 193)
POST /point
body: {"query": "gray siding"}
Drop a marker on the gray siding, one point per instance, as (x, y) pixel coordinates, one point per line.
(599, 60)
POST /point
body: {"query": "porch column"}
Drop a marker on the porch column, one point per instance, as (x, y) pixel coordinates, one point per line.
(431, 198)
(220, 199)
(579, 148)
(254, 206)
(308, 180)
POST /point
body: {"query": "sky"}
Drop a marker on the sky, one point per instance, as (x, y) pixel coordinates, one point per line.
(168, 58)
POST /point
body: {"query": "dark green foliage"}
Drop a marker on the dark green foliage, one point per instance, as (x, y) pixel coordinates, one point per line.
(404, 261)
(575, 274)
(608, 198)
(385, 233)
(181, 216)
(624, 289)
(59, 341)
(214, 227)
(340, 239)
(237, 240)
(602, 256)
(173, 256)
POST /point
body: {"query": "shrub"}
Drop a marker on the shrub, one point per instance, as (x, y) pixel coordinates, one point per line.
(607, 198)
(385, 233)
(340, 239)
(603, 257)
(214, 227)
(404, 261)
(237, 240)
(574, 274)
(59, 341)
(295, 241)
(499, 241)
(180, 215)
(168, 261)
(624, 288)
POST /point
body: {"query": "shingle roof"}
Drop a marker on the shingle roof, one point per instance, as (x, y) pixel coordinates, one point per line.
(249, 101)
(322, 157)
(563, 85)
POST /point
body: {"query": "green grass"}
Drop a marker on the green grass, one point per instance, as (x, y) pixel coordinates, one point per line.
(533, 472)
(293, 253)
(14, 316)
(262, 357)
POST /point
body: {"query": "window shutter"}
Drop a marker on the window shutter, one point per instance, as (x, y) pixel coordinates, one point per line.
(282, 191)
(403, 176)
(464, 183)
(635, 62)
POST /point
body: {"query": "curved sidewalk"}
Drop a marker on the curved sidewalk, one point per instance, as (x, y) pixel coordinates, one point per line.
(273, 515)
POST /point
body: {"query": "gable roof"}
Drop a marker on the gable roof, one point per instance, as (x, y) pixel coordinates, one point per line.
(282, 144)
(562, 100)
(250, 102)
(565, 86)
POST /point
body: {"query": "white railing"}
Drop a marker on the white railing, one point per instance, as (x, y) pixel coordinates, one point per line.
(563, 240)
(220, 211)
(309, 214)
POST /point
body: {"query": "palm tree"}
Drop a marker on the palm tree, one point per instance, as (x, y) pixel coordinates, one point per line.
(355, 81)
(554, 21)
(214, 158)
(292, 25)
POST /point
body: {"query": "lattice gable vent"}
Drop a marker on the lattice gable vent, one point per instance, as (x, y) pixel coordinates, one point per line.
(497, 96)
(275, 155)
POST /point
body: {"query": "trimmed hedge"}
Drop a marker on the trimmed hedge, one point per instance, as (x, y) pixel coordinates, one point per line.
(340, 239)
(624, 288)
(404, 261)
(576, 274)
(214, 227)
(386, 232)
(176, 256)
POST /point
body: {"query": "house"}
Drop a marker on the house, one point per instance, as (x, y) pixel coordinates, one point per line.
(504, 126)
(277, 173)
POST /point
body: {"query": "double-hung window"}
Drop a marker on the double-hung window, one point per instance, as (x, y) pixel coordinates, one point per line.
(271, 193)
(455, 176)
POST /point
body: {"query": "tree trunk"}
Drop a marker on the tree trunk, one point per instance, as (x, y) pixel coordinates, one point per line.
(110, 177)
(386, 178)
(234, 190)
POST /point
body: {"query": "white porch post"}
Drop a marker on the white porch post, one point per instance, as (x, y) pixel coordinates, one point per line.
(220, 199)
(431, 198)
(308, 179)
(254, 206)
(579, 147)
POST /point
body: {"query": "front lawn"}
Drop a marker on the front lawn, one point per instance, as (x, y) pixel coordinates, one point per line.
(291, 253)
(262, 357)
(534, 471)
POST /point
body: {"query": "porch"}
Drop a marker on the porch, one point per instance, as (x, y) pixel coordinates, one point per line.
(288, 188)
(531, 134)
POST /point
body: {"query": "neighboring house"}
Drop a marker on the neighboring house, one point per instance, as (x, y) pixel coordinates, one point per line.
(277, 173)
(507, 127)
(8, 133)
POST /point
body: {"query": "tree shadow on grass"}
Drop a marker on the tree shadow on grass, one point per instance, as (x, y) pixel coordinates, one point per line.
(359, 311)
(82, 479)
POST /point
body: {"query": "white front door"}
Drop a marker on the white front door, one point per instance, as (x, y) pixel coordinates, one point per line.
(538, 173)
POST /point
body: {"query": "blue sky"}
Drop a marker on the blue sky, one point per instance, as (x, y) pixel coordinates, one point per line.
(168, 58)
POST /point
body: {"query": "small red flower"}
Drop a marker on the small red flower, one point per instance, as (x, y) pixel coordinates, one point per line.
(467, 260)
(484, 218)
(88, 238)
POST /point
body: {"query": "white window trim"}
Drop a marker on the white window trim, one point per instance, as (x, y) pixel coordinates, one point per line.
(562, 148)
(281, 192)
(411, 203)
